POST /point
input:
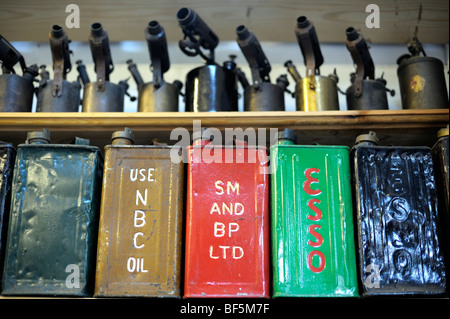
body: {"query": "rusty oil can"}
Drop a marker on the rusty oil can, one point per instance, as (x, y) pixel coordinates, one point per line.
(139, 250)
(101, 95)
(159, 95)
(58, 95)
(421, 79)
(52, 232)
(7, 158)
(398, 226)
(16, 92)
(227, 234)
(313, 249)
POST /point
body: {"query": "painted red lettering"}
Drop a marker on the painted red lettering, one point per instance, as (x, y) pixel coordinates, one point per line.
(310, 180)
(321, 261)
(316, 235)
(315, 209)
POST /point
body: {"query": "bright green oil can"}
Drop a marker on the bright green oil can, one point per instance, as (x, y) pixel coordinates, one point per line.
(313, 246)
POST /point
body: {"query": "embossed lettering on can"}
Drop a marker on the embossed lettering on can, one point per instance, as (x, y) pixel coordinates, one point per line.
(139, 250)
(399, 239)
(313, 252)
(227, 223)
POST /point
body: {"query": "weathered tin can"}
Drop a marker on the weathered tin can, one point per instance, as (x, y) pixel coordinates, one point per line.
(440, 152)
(373, 96)
(441, 161)
(139, 248)
(399, 235)
(159, 99)
(227, 234)
(58, 95)
(421, 79)
(267, 97)
(16, 93)
(69, 101)
(52, 233)
(7, 158)
(109, 99)
(316, 93)
(313, 250)
(211, 88)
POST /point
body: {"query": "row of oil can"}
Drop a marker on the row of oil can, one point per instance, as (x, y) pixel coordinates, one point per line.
(371, 220)
(213, 87)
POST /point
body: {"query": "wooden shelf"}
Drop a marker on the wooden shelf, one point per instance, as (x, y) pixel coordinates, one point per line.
(396, 127)
(29, 20)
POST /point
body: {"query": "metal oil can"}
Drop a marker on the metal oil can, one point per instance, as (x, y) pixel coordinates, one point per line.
(365, 92)
(52, 232)
(58, 95)
(313, 250)
(398, 226)
(16, 92)
(421, 79)
(139, 245)
(101, 95)
(314, 92)
(211, 88)
(261, 95)
(441, 161)
(159, 95)
(7, 157)
(440, 152)
(227, 234)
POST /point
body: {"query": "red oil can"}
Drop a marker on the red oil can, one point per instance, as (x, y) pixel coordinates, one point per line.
(227, 234)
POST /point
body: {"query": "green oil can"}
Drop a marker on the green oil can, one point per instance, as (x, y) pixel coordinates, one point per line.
(52, 232)
(312, 224)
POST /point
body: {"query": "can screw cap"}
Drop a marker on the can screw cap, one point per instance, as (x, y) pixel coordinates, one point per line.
(443, 132)
(38, 137)
(125, 137)
(368, 139)
(288, 134)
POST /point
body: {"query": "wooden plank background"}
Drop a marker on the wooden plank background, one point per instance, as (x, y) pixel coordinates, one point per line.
(270, 20)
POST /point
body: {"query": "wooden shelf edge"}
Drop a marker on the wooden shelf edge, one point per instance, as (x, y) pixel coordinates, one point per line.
(169, 120)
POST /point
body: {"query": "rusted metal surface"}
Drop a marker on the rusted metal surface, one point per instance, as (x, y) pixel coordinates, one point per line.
(421, 79)
(58, 95)
(52, 232)
(139, 250)
(16, 92)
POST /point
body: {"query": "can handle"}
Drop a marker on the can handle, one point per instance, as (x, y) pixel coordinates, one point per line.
(81, 141)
